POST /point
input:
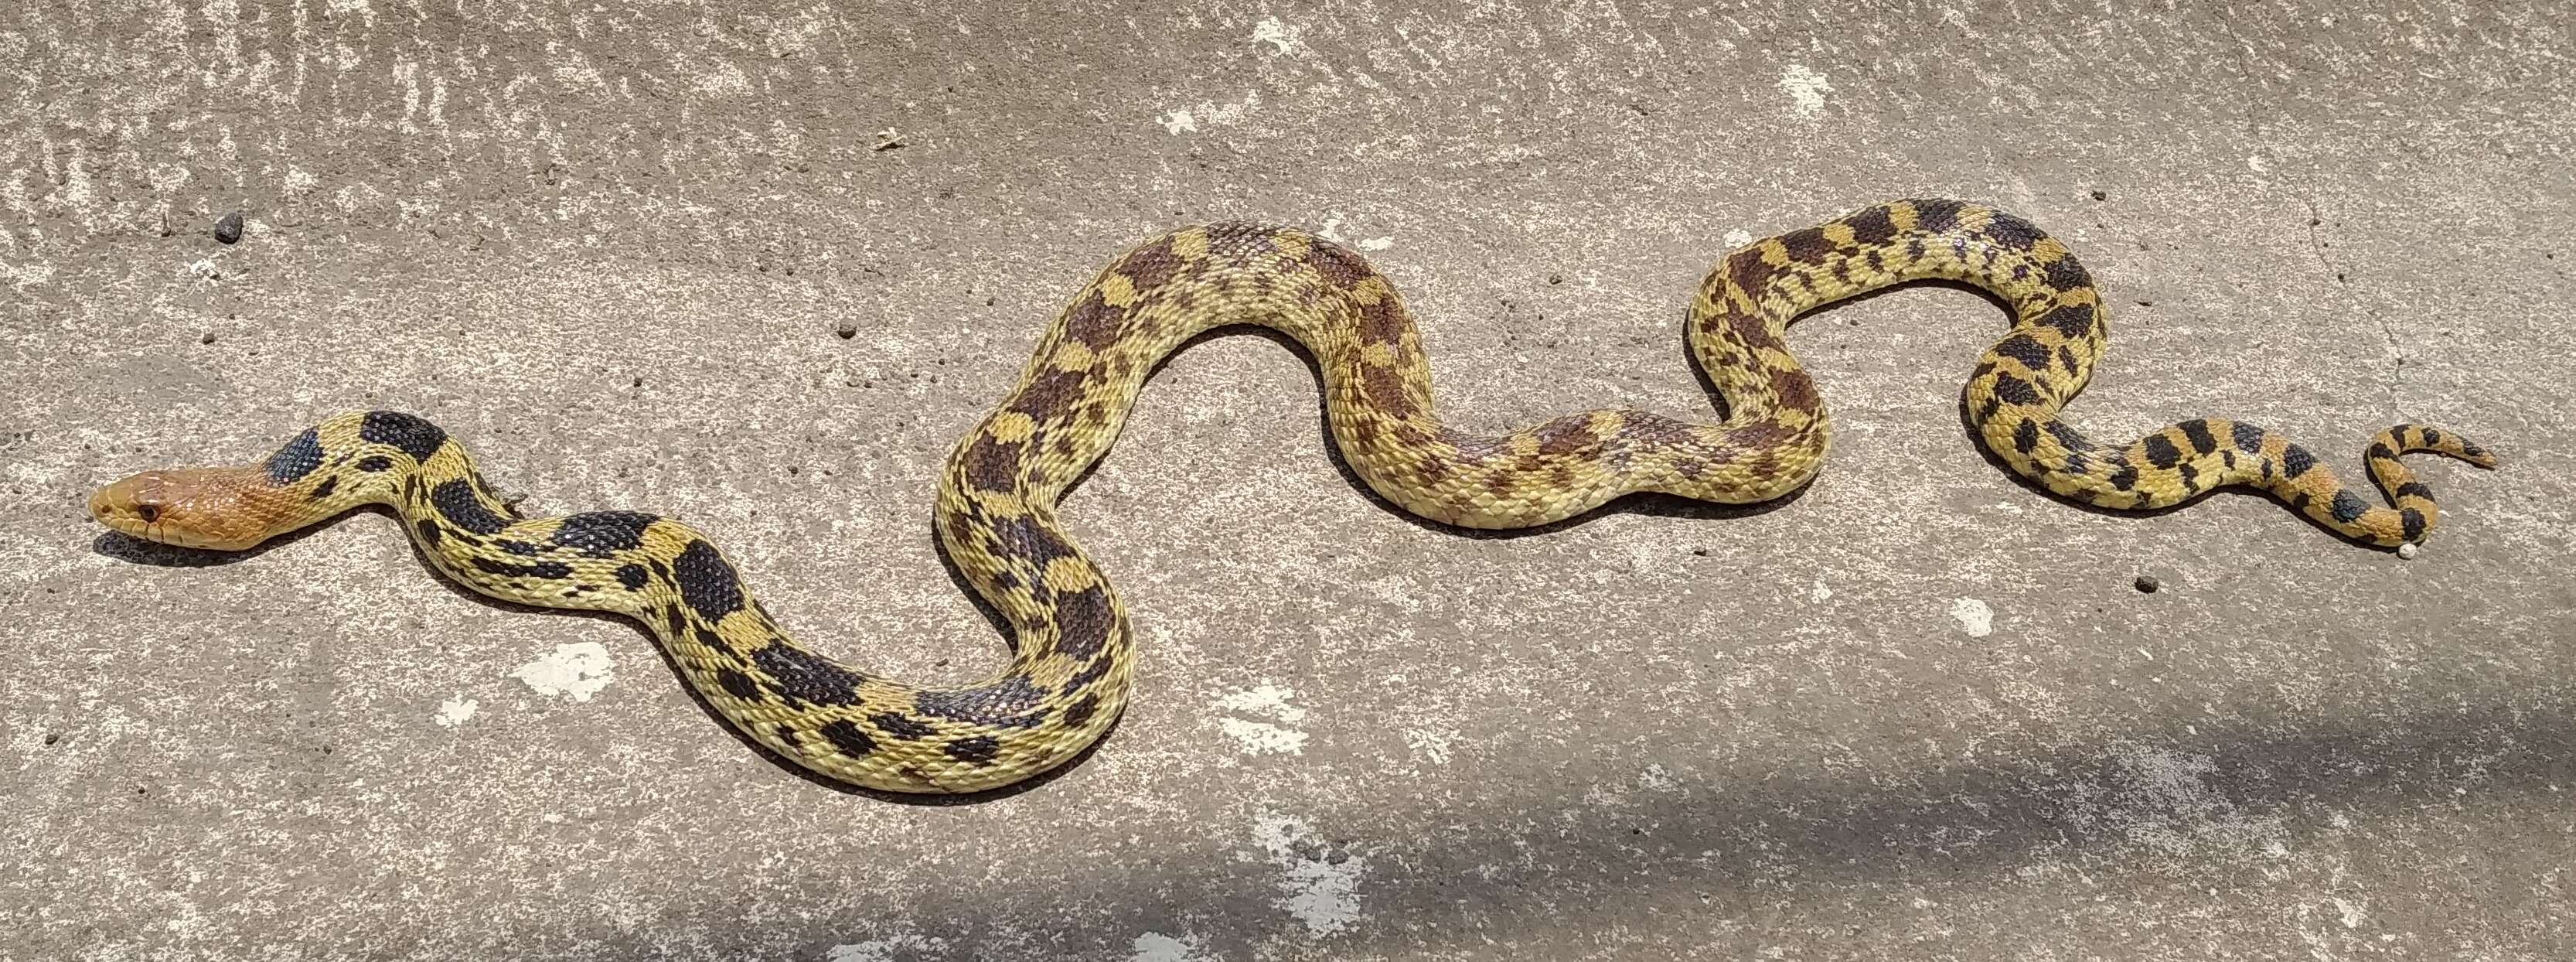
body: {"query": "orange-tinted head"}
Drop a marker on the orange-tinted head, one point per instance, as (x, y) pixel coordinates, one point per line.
(223, 509)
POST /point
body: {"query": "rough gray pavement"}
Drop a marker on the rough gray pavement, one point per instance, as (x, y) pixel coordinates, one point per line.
(1919, 712)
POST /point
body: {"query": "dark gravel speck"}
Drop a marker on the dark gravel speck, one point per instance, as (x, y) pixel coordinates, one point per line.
(2147, 584)
(229, 229)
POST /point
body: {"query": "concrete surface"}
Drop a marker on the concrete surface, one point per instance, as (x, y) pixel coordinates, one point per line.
(1919, 712)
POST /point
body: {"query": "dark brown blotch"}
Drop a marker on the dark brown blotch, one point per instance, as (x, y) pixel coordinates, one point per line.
(1337, 266)
(1935, 216)
(992, 465)
(1024, 538)
(1383, 322)
(846, 738)
(1871, 227)
(1759, 436)
(2013, 232)
(1795, 389)
(1566, 435)
(1807, 244)
(1081, 711)
(2026, 349)
(1748, 270)
(1385, 389)
(2065, 274)
(1049, 394)
(1085, 623)
(1152, 265)
(1750, 330)
(1094, 322)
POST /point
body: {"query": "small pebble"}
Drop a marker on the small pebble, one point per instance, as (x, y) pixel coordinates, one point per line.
(1702, 552)
(1556, 278)
(228, 230)
(208, 339)
(2147, 584)
(2101, 195)
(846, 329)
(2408, 551)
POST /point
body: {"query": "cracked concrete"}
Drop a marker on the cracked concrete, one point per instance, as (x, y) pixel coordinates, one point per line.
(756, 265)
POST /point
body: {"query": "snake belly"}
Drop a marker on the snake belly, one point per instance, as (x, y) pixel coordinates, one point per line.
(1073, 655)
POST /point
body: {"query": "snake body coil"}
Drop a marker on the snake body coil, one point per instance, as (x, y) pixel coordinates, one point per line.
(1073, 652)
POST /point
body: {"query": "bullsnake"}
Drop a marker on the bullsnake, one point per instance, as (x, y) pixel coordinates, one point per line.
(1072, 658)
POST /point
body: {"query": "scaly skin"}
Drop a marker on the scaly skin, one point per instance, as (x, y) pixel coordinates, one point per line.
(1068, 676)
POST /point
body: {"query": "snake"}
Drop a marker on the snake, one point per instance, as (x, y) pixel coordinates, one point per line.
(1073, 659)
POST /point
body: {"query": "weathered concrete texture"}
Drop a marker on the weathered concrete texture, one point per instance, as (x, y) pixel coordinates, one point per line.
(1919, 712)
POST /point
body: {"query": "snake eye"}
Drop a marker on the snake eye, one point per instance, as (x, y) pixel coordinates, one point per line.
(148, 512)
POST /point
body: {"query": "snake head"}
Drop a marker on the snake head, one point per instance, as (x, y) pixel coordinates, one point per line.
(214, 508)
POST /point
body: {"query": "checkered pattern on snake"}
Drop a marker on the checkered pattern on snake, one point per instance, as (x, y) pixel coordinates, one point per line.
(1073, 653)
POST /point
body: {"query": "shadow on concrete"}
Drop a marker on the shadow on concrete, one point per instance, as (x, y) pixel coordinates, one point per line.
(2216, 809)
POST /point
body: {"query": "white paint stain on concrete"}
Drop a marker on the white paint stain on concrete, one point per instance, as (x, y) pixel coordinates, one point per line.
(1974, 617)
(1332, 231)
(1319, 884)
(21, 277)
(1270, 701)
(1260, 738)
(354, 197)
(1431, 744)
(1189, 119)
(455, 711)
(1657, 778)
(1806, 88)
(1281, 37)
(343, 8)
(576, 671)
(721, 79)
(1268, 698)
(883, 950)
(1157, 947)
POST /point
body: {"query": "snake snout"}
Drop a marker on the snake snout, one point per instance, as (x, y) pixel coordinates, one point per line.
(131, 505)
